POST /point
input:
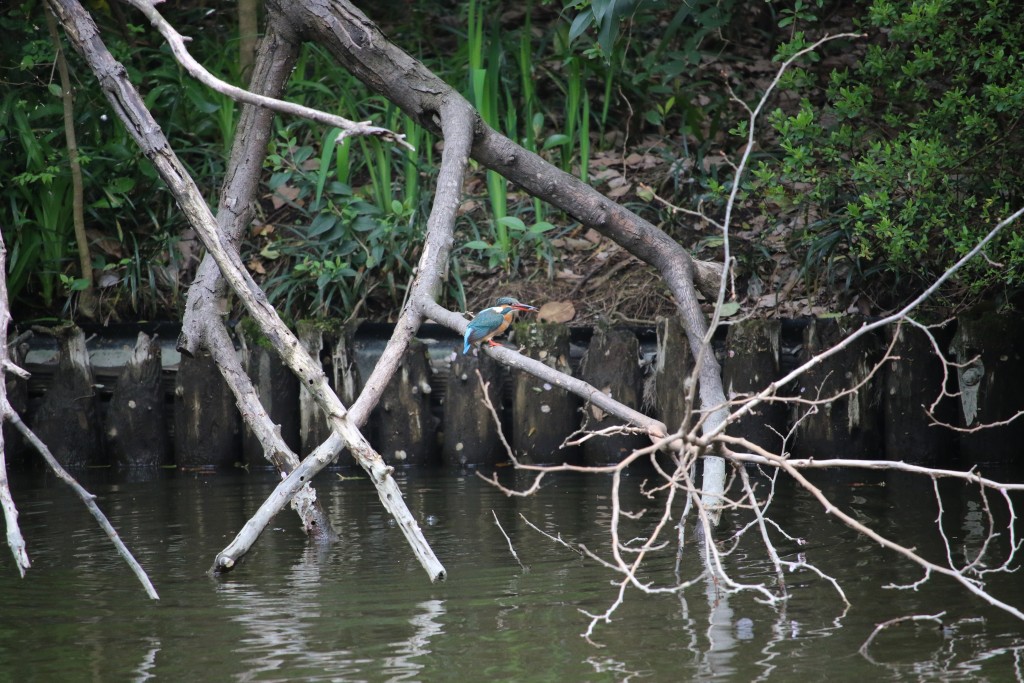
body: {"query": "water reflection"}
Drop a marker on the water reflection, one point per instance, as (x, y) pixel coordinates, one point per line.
(404, 666)
(361, 609)
(147, 667)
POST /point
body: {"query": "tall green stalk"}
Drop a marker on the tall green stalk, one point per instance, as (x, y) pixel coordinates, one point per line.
(484, 85)
(529, 96)
(414, 136)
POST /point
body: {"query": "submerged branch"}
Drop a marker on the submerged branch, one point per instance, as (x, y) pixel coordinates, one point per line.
(440, 226)
(15, 541)
(144, 129)
(87, 498)
(203, 324)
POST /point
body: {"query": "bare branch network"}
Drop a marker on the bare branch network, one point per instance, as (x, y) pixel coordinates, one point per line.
(681, 502)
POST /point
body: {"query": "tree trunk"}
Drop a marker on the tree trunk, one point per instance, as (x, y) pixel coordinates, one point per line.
(991, 373)
(406, 431)
(278, 392)
(842, 425)
(913, 380)
(751, 363)
(673, 370)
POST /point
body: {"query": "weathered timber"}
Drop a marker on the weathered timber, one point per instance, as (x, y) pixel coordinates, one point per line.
(751, 363)
(673, 371)
(847, 425)
(136, 428)
(987, 345)
(470, 433)
(612, 365)
(405, 429)
(344, 372)
(313, 428)
(68, 419)
(543, 415)
(278, 389)
(207, 426)
(913, 381)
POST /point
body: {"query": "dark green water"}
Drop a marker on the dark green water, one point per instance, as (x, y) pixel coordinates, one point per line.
(363, 610)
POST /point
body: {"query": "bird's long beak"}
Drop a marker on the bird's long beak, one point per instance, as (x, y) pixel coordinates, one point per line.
(524, 307)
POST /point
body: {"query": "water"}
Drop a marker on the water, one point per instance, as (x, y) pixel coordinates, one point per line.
(363, 609)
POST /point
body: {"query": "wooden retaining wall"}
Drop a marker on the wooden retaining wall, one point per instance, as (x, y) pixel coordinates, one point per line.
(157, 408)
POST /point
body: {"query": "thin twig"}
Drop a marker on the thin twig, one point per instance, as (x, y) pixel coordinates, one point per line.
(511, 549)
(895, 622)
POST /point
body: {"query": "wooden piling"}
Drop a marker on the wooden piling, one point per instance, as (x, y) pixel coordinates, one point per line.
(313, 427)
(846, 426)
(470, 432)
(611, 365)
(344, 372)
(543, 415)
(986, 344)
(751, 363)
(673, 369)
(278, 389)
(207, 426)
(913, 380)
(67, 420)
(406, 431)
(136, 428)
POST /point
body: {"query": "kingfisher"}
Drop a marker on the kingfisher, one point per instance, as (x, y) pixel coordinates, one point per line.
(491, 322)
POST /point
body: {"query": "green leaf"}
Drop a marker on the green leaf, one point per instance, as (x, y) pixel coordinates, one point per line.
(120, 185)
(476, 244)
(513, 223)
(364, 224)
(729, 309)
(321, 224)
(580, 24)
(541, 227)
(555, 140)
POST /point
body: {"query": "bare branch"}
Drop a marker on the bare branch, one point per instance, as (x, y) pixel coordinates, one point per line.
(87, 498)
(15, 541)
(937, 618)
(177, 44)
(511, 549)
(140, 124)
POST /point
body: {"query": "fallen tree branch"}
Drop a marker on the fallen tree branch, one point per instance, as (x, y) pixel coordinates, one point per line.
(8, 414)
(15, 541)
(203, 325)
(975, 586)
(143, 128)
(87, 498)
(456, 120)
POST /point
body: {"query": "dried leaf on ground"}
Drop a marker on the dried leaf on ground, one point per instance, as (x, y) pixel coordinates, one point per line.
(557, 312)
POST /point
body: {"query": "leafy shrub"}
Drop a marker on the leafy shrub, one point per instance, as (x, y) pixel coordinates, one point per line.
(912, 154)
(132, 223)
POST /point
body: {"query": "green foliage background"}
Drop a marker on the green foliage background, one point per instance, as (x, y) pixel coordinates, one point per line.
(911, 154)
(886, 158)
